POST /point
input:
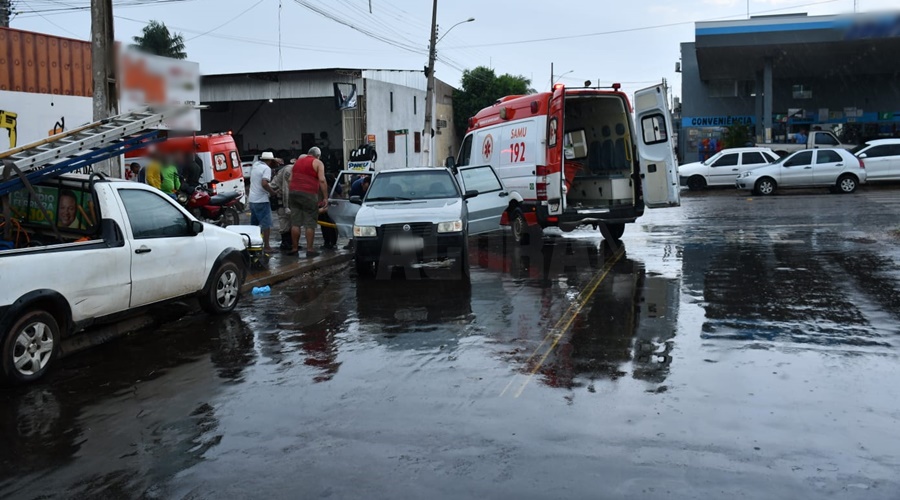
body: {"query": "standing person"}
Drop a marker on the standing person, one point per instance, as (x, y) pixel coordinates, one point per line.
(134, 172)
(329, 233)
(260, 190)
(281, 183)
(191, 170)
(307, 180)
(153, 172)
(170, 181)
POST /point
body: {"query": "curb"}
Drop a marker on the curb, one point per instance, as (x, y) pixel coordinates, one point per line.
(284, 273)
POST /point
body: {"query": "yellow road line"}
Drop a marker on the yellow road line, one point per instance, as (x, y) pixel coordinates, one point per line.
(568, 318)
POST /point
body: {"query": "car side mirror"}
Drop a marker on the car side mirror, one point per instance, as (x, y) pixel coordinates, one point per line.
(450, 162)
(196, 227)
(863, 155)
(356, 200)
(470, 194)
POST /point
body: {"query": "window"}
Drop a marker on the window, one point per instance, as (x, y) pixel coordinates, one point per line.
(801, 159)
(771, 157)
(722, 88)
(235, 161)
(392, 137)
(152, 216)
(883, 151)
(465, 152)
(417, 142)
(392, 102)
(654, 127)
(415, 104)
(754, 158)
(219, 162)
(481, 179)
(395, 184)
(729, 160)
(802, 92)
(823, 139)
(828, 157)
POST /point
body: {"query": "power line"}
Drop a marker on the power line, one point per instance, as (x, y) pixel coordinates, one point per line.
(629, 30)
(232, 19)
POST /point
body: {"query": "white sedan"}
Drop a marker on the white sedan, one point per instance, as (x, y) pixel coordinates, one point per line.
(882, 159)
(836, 169)
(724, 167)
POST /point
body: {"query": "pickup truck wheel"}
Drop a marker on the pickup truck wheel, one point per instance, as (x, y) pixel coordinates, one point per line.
(846, 184)
(696, 183)
(522, 233)
(224, 290)
(230, 217)
(30, 347)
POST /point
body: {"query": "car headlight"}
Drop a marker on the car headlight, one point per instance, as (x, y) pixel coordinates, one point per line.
(364, 231)
(453, 226)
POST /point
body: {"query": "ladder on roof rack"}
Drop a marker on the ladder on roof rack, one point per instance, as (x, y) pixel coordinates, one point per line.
(83, 146)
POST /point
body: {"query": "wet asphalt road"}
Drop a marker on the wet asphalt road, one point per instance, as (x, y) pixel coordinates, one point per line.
(737, 347)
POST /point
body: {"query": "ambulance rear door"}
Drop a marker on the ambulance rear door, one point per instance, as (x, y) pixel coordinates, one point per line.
(659, 169)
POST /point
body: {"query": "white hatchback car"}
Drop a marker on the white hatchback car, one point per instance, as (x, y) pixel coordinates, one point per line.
(881, 158)
(836, 169)
(724, 167)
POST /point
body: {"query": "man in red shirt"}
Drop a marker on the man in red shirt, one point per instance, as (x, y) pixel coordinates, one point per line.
(307, 180)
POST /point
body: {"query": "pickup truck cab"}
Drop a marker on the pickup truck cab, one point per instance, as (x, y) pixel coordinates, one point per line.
(422, 217)
(91, 250)
(816, 139)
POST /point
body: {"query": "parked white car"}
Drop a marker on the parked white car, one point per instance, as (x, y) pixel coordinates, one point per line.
(881, 158)
(724, 167)
(836, 169)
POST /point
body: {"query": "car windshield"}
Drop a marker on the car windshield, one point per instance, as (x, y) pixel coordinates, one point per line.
(712, 159)
(859, 148)
(397, 186)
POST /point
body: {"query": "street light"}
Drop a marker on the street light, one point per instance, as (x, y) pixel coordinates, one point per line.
(469, 20)
(559, 77)
(430, 103)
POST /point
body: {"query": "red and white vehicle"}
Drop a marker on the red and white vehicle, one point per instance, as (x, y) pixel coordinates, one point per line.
(574, 157)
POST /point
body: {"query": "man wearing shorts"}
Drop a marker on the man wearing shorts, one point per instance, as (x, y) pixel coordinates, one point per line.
(307, 181)
(260, 209)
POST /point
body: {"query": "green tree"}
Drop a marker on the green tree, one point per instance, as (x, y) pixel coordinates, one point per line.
(157, 39)
(737, 136)
(480, 88)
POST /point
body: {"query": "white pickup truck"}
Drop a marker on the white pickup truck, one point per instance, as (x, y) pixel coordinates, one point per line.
(816, 139)
(92, 250)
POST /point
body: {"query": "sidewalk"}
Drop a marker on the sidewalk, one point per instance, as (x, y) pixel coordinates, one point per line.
(283, 267)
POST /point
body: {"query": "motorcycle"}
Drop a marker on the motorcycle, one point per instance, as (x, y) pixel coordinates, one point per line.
(218, 209)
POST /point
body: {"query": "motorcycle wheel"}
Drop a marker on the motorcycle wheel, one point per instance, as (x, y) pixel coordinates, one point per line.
(230, 217)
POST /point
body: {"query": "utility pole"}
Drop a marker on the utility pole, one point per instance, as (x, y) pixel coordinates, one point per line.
(5, 7)
(103, 63)
(428, 136)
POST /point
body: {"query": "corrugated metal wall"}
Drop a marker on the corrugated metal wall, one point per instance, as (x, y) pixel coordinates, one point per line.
(44, 64)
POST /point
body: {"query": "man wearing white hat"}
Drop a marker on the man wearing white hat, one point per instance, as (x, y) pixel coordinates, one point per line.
(260, 209)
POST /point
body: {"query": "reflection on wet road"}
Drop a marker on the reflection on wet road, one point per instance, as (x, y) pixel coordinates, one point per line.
(732, 347)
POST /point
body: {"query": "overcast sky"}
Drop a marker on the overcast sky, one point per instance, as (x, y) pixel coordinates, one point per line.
(229, 36)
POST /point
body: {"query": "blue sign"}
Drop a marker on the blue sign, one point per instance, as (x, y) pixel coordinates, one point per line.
(717, 121)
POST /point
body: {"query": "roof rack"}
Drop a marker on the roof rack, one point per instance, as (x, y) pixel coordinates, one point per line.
(83, 146)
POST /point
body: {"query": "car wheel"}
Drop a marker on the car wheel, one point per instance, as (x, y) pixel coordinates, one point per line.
(230, 217)
(461, 266)
(765, 186)
(696, 183)
(846, 184)
(224, 290)
(522, 232)
(30, 347)
(616, 230)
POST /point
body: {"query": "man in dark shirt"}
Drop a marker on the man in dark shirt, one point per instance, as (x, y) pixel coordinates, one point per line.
(360, 186)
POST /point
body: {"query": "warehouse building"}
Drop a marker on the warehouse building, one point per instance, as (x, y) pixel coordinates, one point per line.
(784, 74)
(290, 111)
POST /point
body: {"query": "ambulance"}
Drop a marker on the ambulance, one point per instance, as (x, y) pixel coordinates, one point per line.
(576, 156)
(218, 152)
